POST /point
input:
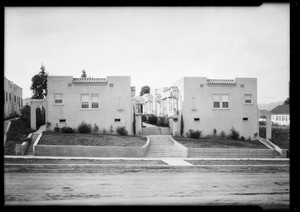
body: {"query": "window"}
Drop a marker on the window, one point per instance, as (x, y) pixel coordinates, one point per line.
(6, 96)
(9, 96)
(216, 99)
(225, 101)
(85, 101)
(58, 99)
(201, 85)
(95, 100)
(221, 101)
(242, 86)
(62, 120)
(15, 98)
(196, 119)
(248, 98)
(245, 119)
(111, 84)
(117, 120)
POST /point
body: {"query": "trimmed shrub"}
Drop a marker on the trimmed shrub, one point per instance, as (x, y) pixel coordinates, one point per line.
(84, 128)
(56, 128)
(215, 132)
(242, 138)
(234, 134)
(181, 126)
(111, 129)
(144, 118)
(152, 119)
(255, 135)
(104, 132)
(65, 129)
(122, 131)
(194, 134)
(95, 128)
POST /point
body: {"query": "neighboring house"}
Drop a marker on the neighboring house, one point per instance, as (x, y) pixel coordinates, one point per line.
(148, 103)
(105, 102)
(13, 101)
(281, 115)
(208, 104)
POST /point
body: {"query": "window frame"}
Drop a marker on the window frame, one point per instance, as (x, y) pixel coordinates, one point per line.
(220, 97)
(98, 101)
(55, 98)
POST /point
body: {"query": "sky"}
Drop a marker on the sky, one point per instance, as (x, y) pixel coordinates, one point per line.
(154, 45)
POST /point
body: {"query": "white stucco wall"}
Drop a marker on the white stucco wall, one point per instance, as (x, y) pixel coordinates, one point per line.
(109, 103)
(220, 119)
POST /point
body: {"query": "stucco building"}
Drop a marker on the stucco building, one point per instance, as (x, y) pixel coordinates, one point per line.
(105, 102)
(12, 98)
(208, 104)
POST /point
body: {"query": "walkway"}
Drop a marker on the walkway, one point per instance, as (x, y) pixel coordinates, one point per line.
(150, 129)
(34, 136)
(162, 146)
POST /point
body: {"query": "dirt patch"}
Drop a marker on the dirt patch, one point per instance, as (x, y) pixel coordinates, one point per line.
(51, 138)
(219, 143)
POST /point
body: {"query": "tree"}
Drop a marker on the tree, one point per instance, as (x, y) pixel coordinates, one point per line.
(287, 101)
(145, 89)
(39, 84)
(83, 75)
(181, 125)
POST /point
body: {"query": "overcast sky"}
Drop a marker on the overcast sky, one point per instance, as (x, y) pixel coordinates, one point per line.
(154, 45)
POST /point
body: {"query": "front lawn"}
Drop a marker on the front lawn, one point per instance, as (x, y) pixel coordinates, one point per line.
(218, 143)
(16, 134)
(280, 135)
(52, 138)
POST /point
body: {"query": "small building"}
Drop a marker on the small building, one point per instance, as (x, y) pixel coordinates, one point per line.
(13, 100)
(280, 115)
(208, 104)
(105, 102)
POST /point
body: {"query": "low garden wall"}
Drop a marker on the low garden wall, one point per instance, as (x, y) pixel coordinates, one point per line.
(230, 153)
(91, 151)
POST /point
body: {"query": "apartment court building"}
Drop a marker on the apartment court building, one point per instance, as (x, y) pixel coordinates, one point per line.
(208, 104)
(12, 98)
(281, 115)
(105, 102)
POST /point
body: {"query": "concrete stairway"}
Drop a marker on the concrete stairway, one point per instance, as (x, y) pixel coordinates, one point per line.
(155, 131)
(29, 150)
(162, 146)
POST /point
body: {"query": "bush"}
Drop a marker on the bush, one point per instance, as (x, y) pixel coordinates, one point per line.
(84, 128)
(234, 134)
(65, 129)
(215, 132)
(95, 128)
(162, 122)
(111, 129)
(242, 138)
(223, 134)
(262, 123)
(104, 132)
(56, 129)
(194, 134)
(255, 135)
(152, 119)
(144, 118)
(181, 126)
(122, 131)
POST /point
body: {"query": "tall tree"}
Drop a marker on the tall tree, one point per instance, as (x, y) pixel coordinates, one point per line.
(39, 84)
(287, 101)
(145, 89)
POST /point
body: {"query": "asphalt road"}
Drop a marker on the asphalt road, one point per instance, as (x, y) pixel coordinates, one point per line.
(80, 184)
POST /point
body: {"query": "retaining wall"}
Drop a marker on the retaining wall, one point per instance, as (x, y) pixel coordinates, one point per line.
(230, 153)
(91, 151)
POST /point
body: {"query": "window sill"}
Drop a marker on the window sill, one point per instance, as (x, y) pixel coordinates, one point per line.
(221, 108)
(248, 104)
(58, 104)
(89, 109)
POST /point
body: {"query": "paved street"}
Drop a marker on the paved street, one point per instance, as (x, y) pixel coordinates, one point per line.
(98, 184)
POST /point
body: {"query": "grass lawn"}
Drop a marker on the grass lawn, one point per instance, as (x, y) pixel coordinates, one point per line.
(52, 138)
(17, 132)
(218, 143)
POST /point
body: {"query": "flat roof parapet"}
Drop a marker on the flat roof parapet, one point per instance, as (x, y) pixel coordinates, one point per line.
(221, 81)
(89, 80)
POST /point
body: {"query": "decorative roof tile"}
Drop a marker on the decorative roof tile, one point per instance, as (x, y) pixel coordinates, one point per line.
(173, 88)
(89, 80)
(221, 81)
